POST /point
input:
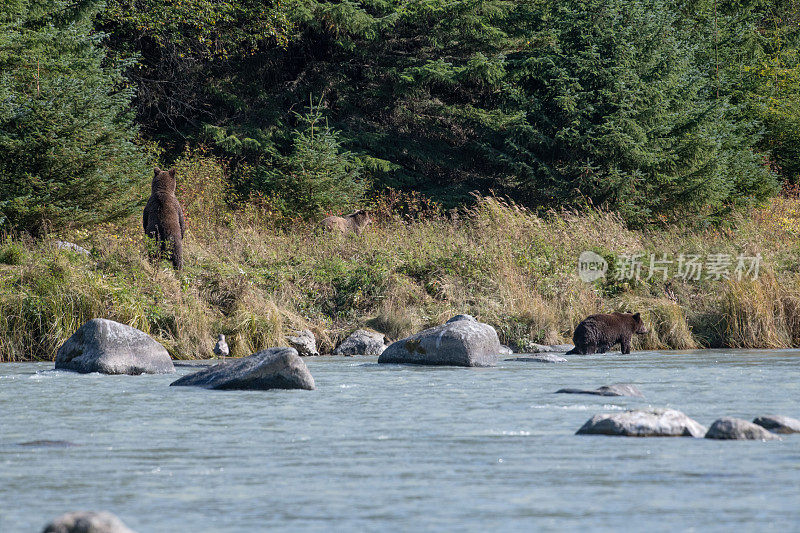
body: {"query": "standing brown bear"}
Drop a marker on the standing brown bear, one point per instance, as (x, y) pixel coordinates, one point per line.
(598, 333)
(163, 217)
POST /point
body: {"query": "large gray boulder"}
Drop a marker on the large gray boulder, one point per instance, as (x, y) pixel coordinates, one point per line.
(304, 342)
(275, 368)
(109, 347)
(462, 341)
(643, 423)
(87, 522)
(778, 423)
(362, 342)
(617, 389)
(728, 428)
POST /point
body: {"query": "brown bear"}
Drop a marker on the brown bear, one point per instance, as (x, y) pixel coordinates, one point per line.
(163, 217)
(356, 222)
(598, 333)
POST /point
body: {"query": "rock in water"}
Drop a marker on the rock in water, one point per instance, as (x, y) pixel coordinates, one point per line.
(275, 368)
(728, 428)
(506, 350)
(547, 348)
(778, 423)
(87, 522)
(617, 389)
(109, 347)
(304, 342)
(48, 444)
(362, 342)
(543, 358)
(221, 348)
(643, 423)
(462, 341)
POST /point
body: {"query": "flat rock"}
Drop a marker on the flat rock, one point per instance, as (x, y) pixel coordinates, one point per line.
(549, 348)
(87, 522)
(362, 342)
(462, 341)
(778, 423)
(728, 428)
(275, 368)
(544, 358)
(109, 347)
(617, 389)
(304, 342)
(193, 364)
(643, 423)
(72, 247)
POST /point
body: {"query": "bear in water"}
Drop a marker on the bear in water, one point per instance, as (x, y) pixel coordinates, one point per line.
(355, 221)
(598, 333)
(163, 217)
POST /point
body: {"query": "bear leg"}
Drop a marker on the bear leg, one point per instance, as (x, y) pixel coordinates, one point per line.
(177, 253)
(625, 344)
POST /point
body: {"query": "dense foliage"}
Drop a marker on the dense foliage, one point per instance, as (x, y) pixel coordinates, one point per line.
(66, 156)
(661, 110)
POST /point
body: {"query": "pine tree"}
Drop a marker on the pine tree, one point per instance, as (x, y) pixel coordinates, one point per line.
(318, 176)
(65, 128)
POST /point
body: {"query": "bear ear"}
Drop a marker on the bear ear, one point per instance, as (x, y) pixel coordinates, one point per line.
(172, 173)
(637, 316)
(156, 171)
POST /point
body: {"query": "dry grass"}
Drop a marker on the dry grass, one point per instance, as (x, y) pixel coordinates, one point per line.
(258, 282)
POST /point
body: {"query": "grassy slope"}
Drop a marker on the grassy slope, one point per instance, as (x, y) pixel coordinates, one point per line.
(257, 283)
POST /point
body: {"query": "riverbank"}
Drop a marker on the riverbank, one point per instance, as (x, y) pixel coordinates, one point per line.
(258, 282)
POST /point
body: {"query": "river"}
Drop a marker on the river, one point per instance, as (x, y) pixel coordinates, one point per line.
(388, 447)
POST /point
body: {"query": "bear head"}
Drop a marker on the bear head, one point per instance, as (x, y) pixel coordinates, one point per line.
(639, 324)
(361, 218)
(164, 181)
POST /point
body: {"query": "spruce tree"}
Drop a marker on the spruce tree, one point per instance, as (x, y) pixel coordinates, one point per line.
(66, 151)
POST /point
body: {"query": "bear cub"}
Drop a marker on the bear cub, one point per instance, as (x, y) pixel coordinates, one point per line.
(598, 333)
(163, 217)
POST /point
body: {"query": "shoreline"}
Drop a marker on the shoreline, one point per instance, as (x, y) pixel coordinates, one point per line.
(258, 282)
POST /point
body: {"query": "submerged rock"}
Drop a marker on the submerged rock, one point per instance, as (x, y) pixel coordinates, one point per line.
(778, 423)
(549, 348)
(180, 363)
(362, 342)
(728, 428)
(461, 341)
(109, 347)
(643, 423)
(304, 342)
(617, 389)
(543, 358)
(48, 444)
(275, 368)
(87, 522)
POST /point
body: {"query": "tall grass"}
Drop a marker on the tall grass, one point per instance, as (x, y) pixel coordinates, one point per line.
(258, 279)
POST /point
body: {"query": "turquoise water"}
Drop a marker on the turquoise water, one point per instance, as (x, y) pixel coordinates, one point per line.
(385, 447)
